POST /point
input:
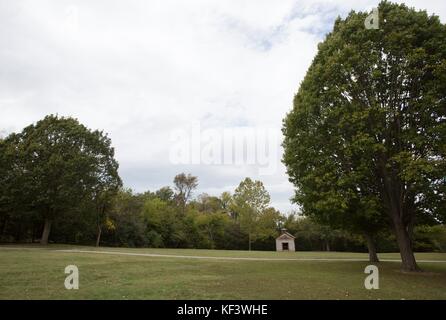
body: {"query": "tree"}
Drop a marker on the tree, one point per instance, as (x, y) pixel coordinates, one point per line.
(184, 186)
(61, 164)
(249, 201)
(226, 199)
(128, 219)
(372, 108)
(212, 225)
(8, 183)
(103, 200)
(352, 207)
(227, 203)
(106, 183)
(207, 203)
(268, 224)
(165, 194)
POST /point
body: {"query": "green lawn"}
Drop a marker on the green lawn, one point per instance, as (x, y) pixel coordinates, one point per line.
(33, 272)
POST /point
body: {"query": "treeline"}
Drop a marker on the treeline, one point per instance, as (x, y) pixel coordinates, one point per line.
(59, 183)
(154, 219)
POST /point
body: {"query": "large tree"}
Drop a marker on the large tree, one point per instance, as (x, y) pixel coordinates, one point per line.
(371, 112)
(61, 164)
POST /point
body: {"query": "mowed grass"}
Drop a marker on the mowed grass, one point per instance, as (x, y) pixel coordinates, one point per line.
(33, 272)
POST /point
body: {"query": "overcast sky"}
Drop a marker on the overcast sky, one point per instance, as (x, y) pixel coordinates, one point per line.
(147, 72)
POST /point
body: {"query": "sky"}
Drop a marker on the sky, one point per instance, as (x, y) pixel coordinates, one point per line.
(195, 86)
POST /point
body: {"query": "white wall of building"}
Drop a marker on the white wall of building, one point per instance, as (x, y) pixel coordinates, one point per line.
(290, 241)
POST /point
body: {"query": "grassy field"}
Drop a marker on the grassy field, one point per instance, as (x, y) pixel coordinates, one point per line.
(33, 272)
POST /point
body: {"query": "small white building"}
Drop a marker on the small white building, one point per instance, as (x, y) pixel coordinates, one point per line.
(285, 242)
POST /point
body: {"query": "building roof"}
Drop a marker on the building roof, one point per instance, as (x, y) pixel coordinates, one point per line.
(285, 235)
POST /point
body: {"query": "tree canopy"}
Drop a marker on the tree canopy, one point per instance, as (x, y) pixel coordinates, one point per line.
(367, 132)
(60, 164)
(250, 200)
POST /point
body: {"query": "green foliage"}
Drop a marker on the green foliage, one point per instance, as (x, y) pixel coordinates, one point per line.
(63, 162)
(128, 221)
(311, 236)
(430, 238)
(267, 224)
(165, 194)
(366, 136)
(249, 203)
(54, 167)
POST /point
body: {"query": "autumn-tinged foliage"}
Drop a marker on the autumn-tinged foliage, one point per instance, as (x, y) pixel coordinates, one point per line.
(59, 183)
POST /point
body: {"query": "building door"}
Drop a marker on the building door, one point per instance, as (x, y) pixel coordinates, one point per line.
(285, 246)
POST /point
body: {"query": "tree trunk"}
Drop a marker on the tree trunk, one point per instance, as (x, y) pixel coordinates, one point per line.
(400, 208)
(373, 256)
(405, 246)
(327, 245)
(98, 237)
(46, 232)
